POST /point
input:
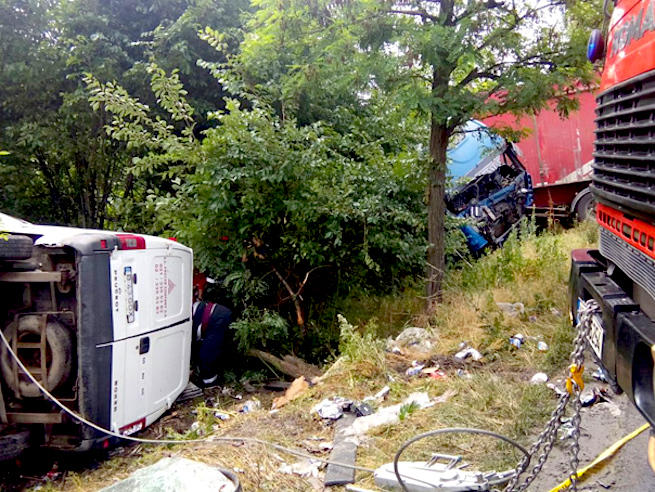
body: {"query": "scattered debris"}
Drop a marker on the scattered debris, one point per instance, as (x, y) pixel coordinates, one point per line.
(344, 451)
(434, 372)
(379, 396)
(250, 406)
(517, 340)
(414, 338)
(432, 475)
(542, 346)
(556, 389)
(539, 378)
(463, 374)
(468, 352)
(532, 318)
(53, 474)
(511, 309)
(566, 430)
(361, 409)
(588, 398)
(317, 447)
(600, 375)
(306, 468)
(331, 408)
(591, 396)
(175, 475)
(196, 427)
(390, 414)
(414, 369)
(222, 415)
(296, 389)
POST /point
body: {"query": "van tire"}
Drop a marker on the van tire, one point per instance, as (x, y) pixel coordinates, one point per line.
(15, 247)
(12, 445)
(61, 352)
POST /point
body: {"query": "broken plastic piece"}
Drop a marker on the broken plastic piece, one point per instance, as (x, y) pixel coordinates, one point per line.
(540, 377)
(517, 340)
(512, 309)
(468, 352)
(600, 375)
(296, 389)
(414, 369)
(250, 405)
(306, 468)
(331, 408)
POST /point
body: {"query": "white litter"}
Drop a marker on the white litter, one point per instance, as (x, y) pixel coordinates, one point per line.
(539, 378)
(390, 415)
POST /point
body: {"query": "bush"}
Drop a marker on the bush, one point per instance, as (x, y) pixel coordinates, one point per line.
(288, 216)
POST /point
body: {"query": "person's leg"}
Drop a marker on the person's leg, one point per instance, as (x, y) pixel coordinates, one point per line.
(213, 343)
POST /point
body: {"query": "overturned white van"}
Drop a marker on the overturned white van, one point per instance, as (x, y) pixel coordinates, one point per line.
(103, 321)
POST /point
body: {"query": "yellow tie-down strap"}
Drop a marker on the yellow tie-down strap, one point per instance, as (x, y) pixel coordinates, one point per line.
(609, 452)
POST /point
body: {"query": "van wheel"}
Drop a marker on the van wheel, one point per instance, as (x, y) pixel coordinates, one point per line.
(12, 445)
(15, 247)
(59, 355)
(586, 207)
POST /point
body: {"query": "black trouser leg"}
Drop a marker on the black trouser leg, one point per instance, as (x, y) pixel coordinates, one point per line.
(212, 345)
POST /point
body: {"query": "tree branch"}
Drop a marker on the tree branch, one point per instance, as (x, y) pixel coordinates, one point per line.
(416, 13)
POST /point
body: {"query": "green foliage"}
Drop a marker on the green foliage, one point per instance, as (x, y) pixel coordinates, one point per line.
(261, 328)
(355, 346)
(306, 211)
(63, 166)
(512, 261)
(407, 409)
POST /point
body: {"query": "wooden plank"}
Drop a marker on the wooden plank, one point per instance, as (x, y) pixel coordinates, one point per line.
(30, 276)
(33, 418)
(343, 451)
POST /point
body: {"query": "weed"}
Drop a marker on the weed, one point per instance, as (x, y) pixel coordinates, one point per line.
(407, 409)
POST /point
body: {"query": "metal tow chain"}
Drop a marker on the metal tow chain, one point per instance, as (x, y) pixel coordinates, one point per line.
(574, 384)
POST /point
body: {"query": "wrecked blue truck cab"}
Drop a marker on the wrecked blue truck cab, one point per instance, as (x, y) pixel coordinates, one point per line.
(490, 186)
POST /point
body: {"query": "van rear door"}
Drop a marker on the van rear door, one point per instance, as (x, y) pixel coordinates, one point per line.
(151, 294)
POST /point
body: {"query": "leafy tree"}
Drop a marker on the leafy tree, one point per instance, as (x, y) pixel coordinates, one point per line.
(285, 215)
(64, 167)
(462, 58)
(448, 60)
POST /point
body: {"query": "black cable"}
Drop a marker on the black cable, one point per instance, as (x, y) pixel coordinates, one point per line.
(451, 430)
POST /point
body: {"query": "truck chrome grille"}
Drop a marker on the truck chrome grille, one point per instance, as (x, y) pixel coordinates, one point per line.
(624, 156)
(635, 264)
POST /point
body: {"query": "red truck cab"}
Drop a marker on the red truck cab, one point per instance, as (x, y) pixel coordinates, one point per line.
(620, 274)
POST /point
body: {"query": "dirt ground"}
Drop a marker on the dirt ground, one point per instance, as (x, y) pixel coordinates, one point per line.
(602, 426)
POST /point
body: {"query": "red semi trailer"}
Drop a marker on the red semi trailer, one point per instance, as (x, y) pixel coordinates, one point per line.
(558, 155)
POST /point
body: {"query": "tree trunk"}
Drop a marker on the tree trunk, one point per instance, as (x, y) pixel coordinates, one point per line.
(436, 262)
